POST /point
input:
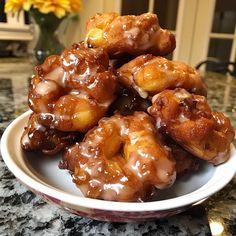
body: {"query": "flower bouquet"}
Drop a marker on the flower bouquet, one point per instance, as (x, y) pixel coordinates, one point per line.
(47, 14)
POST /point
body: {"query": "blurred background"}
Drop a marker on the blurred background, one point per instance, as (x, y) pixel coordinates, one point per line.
(203, 28)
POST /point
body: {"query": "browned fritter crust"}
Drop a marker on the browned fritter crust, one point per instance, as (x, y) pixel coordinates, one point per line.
(37, 137)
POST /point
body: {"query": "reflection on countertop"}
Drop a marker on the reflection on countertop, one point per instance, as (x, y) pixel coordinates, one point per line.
(23, 213)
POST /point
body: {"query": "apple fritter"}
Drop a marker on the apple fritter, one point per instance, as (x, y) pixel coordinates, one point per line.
(121, 160)
(189, 120)
(73, 91)
(129, 35)
(185, 161)
(127, 102)
(149, 75)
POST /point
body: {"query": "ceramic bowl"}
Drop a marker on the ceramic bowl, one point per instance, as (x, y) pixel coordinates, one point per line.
(42, 175)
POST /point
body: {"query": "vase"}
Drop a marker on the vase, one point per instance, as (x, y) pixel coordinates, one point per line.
(48, 42)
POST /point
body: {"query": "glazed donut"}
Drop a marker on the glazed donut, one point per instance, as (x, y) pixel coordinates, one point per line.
(73, 91)
(37, 137)
(121, 160)
(188, 119)
(149, 75)
(129, 35)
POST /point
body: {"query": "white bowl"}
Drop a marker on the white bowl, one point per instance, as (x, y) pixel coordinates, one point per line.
(42, 175)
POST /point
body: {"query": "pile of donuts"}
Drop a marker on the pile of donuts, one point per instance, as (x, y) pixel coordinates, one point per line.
(127, 120)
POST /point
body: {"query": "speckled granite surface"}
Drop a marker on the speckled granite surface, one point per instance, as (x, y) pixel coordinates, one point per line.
(23, 213)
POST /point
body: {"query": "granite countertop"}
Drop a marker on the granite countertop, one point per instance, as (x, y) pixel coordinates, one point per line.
(23, 213)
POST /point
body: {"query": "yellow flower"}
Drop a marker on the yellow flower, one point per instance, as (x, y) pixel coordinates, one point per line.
(75, 5)
(17, 5)
(58, 7)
